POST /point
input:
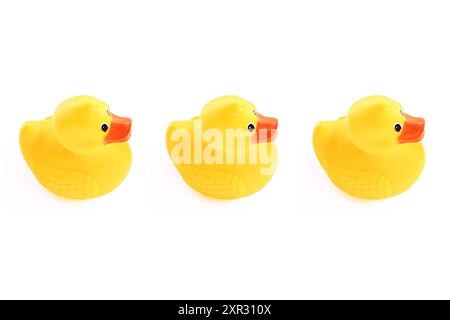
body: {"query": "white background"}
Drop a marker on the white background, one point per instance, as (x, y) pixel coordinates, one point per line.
(158, 61)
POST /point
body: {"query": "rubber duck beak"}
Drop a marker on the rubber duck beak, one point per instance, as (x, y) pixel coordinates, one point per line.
(413, 130)
(119, 131)
(266, 129)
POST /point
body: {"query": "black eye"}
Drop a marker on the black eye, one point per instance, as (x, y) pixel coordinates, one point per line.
(398, 127)
(105, 127)
(251, 127)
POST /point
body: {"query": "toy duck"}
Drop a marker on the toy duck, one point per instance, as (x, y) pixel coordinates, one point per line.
(227, 152)
(375, 151)
(81, 152)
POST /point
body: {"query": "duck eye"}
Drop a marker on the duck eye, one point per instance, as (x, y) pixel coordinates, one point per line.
(251, 127)
(398, 127)
(105, 127)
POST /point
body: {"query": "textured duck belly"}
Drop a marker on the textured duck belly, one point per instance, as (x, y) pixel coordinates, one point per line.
(361, 183)
(217, 184)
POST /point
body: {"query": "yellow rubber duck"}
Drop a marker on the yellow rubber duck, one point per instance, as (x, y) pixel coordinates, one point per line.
(81, 152)
(375, 151)
(227, 152)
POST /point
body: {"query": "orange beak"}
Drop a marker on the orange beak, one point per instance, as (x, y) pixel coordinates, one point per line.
(266, 129)
(119, 131)
(413, 130)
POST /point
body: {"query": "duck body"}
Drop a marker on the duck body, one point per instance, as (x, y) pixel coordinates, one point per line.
(73, 175)
(360, 172)
(222, 179)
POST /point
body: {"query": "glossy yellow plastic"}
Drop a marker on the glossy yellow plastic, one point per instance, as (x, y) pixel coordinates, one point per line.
(81, 152)
(375, 151)
(222, 179)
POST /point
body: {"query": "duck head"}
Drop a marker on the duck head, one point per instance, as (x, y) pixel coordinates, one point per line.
(234, 113)
(378, 124)
(85, 124)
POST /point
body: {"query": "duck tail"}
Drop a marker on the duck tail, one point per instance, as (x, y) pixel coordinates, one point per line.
(27, 135)
(169, 135)
(321, 136)
(179, 131)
